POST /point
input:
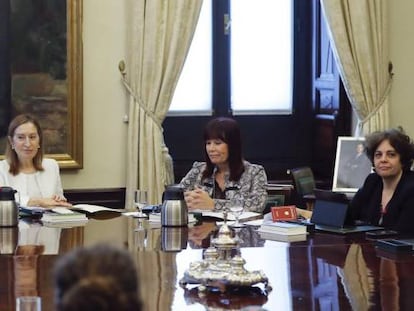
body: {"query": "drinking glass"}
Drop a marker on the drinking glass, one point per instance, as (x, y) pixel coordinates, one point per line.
(28, 303)
(140, 235)
(141, 200)
(236, 208)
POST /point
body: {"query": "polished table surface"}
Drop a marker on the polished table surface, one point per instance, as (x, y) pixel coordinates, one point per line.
(325, 272)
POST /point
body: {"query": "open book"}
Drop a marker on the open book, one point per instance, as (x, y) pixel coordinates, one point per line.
(89, 208)
(230, 216)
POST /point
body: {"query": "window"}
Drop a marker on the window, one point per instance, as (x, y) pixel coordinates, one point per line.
(193, 92)
(277, 139)
(241, 60)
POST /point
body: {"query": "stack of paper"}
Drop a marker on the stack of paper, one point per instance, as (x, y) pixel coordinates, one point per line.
(62, 215)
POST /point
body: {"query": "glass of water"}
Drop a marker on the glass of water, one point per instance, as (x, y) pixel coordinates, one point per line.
(140, 201)
(236, 208)
(28, 303)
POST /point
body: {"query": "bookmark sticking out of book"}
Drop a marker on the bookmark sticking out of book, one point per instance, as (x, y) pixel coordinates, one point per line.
(287, 212)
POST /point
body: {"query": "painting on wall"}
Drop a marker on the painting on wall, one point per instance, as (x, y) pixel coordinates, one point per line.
(46, 73)
(38, 67)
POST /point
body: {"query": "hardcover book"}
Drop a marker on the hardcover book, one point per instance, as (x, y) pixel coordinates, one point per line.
(284, 213)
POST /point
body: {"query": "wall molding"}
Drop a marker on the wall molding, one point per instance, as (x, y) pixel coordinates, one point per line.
(109, 197)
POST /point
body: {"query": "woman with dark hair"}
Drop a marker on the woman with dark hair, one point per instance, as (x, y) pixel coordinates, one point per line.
(387, 196)
(224, 175)
(35, 178)
(96, 278)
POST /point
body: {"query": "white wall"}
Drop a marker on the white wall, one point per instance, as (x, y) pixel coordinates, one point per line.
(402, 55)
(105, 101)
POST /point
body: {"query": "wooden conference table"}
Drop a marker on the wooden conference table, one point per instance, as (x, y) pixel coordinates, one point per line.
(325, 272)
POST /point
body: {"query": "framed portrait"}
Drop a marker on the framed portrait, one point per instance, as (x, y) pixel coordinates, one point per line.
(352, 165)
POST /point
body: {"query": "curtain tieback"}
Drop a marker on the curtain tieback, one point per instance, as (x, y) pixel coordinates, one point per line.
(380, 103)
(140, 103)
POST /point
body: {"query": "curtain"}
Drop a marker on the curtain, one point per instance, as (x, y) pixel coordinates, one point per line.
(357, 278)
(159, 33)
(358, 34)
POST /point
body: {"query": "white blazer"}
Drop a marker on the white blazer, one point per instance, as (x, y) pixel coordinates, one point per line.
(48, 180)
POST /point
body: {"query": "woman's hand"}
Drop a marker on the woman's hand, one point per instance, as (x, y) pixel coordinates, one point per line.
(198, 199)
(55, 200)
(198, 233)
(304, 213)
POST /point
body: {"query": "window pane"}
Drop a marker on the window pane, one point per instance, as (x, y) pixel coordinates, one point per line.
(261, 55)
(193, 91)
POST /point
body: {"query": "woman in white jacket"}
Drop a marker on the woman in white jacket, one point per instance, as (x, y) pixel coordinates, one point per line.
(36, 179)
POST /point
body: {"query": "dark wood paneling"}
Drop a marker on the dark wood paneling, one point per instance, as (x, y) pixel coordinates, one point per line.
(4, 66)
(109, 197)
(332, 111)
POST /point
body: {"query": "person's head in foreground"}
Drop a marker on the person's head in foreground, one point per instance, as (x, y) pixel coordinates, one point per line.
(101, 277)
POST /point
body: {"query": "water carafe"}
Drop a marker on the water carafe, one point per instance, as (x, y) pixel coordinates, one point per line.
(174, 209)
(9, 211)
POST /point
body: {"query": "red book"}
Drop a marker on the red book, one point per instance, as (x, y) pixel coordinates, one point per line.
(284, 213)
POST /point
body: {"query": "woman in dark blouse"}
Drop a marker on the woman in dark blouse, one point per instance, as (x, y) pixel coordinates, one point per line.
(387, 196)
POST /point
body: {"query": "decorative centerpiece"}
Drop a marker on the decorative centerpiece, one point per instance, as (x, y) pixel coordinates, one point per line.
(223, 267)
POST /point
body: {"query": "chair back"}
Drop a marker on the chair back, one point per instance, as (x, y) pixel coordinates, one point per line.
(277, 195)
(303, 180)
(304, 186)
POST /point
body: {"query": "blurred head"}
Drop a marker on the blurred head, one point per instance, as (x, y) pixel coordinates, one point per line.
(24, 142)
(396, 142)
(359, 148)
(100, 277)
(227, 131)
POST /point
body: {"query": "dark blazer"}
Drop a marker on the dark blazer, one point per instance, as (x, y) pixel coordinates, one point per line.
(366, 203)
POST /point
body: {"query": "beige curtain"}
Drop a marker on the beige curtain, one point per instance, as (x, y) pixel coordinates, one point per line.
(357, 279)
(358, 33)
(159, 36)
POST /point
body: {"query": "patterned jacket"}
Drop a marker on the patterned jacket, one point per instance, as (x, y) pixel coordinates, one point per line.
(251, 187)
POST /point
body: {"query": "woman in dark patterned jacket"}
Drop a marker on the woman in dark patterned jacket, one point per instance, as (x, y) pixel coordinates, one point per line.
(387, 196)
(224, 175)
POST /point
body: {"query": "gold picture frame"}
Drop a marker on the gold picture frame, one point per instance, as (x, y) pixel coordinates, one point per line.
(64, 144)
(74, 157)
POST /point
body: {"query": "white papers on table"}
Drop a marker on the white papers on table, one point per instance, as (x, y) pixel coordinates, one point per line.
(90, 208)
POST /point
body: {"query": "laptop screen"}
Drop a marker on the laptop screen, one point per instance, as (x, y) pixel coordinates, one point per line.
(329, 213)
